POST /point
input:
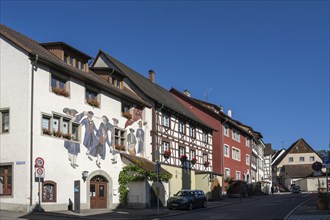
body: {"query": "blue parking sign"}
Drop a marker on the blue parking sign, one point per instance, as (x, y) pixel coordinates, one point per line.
(326, 160)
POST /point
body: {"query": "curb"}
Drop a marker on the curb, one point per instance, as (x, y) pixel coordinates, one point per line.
(293, 210)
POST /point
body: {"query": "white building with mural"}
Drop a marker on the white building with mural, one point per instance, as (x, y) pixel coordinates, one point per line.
(77, 120)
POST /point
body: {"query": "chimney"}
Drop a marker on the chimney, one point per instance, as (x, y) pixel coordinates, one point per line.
(229, 113)
(186, 92)
(152, 76)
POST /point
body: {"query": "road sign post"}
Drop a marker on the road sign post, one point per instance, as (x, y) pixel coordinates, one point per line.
(39, 173)
(326, 162)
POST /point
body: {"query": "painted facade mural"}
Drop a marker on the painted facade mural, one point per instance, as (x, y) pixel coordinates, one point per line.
(98, 141)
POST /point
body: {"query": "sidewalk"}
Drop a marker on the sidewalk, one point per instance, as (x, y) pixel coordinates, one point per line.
(308, 211)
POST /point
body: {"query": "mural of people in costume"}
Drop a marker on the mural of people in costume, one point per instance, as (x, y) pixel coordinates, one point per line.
(90, 130)
(131, 142)
(140, 136)
(73, 147)
(102, 136)
(136, 115)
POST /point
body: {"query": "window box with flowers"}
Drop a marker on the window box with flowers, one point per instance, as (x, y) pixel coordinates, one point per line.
(67, 136)
(167, 154)
(127, 115)
(183, 158)
(193, 161)
(61, 92)
(120, 147)
(57, 133)
(46, 131)
(93, 102)
(206, 164)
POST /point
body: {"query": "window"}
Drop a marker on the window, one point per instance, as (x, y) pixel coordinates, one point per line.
(181, 151)
(236, 136)
(91, 98)
(301, 159)
(165, 146)
(116, 82)
(205, 157)
(226, 130)
(65, 126)
(247, 142)
(75, 132)
(238, 175)
(181, 127)
(227, 173)
(56, 123)
(48, 191)
(236, 154)
(120, 138)
(71, 61)
(66, 58)
(59, 86)
(82, 66)
(204, 137)
(192, 131)
(247, 159)
(77, 64)
(311, 158)
(226, 150)
(165, 120)
(192, 154)
(6, 180)
(4, 121)
(290, 159)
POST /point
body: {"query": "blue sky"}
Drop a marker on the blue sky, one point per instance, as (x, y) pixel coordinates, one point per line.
(267, 61)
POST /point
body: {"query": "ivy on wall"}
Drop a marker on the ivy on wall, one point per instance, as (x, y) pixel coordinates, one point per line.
(133, 173)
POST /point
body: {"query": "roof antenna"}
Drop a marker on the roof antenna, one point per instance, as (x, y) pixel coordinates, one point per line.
(206, 94)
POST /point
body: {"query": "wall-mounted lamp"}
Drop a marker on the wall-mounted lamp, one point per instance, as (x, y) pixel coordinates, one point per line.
(84, 175)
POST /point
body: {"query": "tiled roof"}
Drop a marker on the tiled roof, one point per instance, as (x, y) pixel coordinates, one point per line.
(155, 91)
(143, 163)
(298, 171)
(63, 44)
(34, 48)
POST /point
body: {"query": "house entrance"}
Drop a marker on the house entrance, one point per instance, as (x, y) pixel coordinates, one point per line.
(98, 192)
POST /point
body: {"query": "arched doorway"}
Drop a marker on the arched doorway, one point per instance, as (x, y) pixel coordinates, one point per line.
(98, 192)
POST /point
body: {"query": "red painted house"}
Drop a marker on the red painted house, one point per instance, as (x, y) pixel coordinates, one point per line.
(231, 143)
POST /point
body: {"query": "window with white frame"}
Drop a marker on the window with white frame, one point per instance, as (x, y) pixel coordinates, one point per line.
(181, 127)
(311, 158)
(247, 159)
(4, 117)
(247, 142)
(165, 120)
(227, 173)
(236, 154)
(238, 175)
(192, 154)
(181, 151)
(226, 151)
(290, 159)
(301, 159)
(165, 146)
(204, 137)
(192, 131)
(226, 130)
(236, 136)
(205, 157)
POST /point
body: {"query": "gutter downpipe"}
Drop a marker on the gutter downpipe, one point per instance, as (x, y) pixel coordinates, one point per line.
(31, 128)
(223, 154)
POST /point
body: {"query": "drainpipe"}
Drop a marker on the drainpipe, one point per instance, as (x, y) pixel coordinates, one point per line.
(223, 155)
(31, 127)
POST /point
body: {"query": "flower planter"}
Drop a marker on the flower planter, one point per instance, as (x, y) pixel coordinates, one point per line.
(322, 205)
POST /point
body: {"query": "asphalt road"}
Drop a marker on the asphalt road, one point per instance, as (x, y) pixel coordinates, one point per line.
(270, 208)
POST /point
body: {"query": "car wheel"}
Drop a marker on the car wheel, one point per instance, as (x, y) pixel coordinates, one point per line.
(204, 204)
(190, 207)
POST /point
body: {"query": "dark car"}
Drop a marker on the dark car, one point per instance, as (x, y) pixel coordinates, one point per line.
(187, 199)
(296, 189)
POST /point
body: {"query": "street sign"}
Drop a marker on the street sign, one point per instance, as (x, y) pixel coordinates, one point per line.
(40, 172)
(39, 162)
(326, 160)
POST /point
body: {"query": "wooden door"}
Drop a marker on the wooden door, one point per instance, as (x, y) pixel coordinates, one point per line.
(98, 193)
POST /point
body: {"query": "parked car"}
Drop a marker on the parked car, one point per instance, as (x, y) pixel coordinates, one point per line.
(296, 189)
(187, 199)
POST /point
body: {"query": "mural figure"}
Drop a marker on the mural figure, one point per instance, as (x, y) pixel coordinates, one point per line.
(72, 146)
(131, 142)
(140, 136)
(102, 139)
(113, 150)
(90, 129)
